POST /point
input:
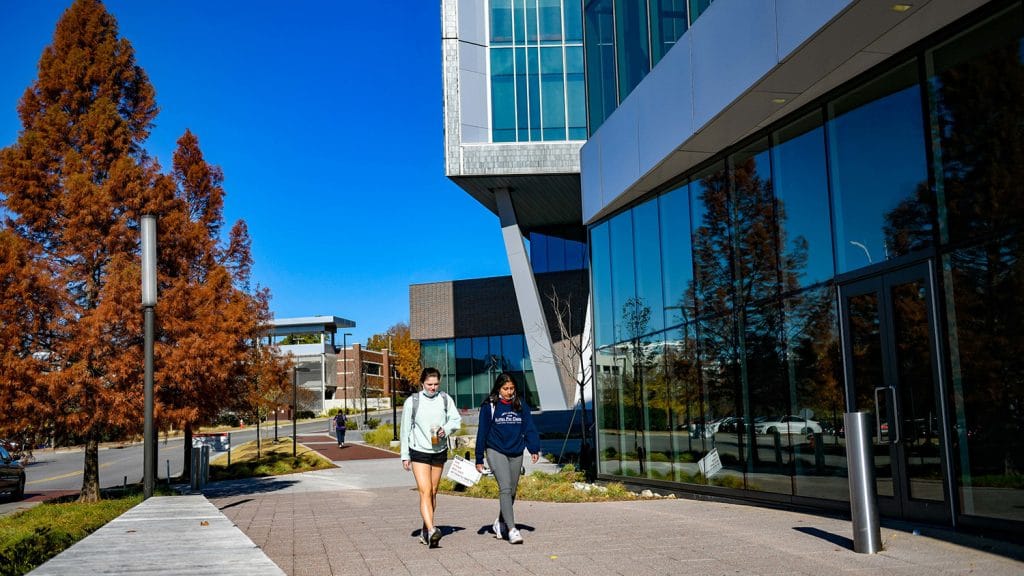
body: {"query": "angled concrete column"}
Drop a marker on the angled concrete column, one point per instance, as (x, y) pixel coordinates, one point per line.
(531, 310)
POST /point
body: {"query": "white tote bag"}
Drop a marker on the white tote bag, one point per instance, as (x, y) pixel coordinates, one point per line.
(463, 471)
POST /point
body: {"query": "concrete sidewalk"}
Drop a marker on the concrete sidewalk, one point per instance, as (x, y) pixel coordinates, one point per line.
(362, 518)
(165, 535)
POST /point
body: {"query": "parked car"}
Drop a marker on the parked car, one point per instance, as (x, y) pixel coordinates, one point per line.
(787, 425)
(12, 475)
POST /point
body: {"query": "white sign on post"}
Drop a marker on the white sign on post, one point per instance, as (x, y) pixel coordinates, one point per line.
(710, 464)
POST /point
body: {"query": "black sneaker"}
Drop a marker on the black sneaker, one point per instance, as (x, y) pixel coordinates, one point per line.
(435, 537)
(423, 536)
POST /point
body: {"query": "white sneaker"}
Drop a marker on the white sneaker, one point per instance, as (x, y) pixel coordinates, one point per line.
(497, 528)
(514, 537)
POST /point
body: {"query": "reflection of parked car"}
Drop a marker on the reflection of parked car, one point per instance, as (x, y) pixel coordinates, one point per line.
(787, 425)
(12, 475)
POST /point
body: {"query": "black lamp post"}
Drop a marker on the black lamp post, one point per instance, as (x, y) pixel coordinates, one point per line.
(149, 289)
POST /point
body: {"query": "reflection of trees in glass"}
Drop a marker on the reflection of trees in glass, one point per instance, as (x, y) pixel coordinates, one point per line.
(988, 367)
(636, 315)
(979, 126)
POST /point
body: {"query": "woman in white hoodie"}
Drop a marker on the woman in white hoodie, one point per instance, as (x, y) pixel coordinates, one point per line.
(428, 418)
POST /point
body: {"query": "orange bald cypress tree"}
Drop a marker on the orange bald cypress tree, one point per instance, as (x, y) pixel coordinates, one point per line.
(28, 305)
(75, 184)
(207, 321)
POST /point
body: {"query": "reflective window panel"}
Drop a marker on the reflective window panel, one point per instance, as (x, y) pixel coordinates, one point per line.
(985, 305)
(814, 377)
(711, 217)
(755, 251)
(601, 283)
(692, 435)
(975, 84)
(668, 22)
(647, 255)
(801, 203)
(600, 47)
(882, 201)
(631, 45)
(627, 312)
(676, 256)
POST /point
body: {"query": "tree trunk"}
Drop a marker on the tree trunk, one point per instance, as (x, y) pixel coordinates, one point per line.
(91, 472)
(187, 469)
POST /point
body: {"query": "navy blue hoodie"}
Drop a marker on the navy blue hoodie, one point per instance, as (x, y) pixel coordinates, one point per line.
(506, 431)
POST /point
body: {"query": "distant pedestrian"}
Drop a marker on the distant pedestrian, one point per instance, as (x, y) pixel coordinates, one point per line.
(428, 418)
(506, 428)
(339, 427)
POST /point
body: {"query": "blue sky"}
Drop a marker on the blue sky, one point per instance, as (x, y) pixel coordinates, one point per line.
(326, 118)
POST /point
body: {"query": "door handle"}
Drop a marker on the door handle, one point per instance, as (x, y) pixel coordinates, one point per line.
(878, 413)
(894, 426)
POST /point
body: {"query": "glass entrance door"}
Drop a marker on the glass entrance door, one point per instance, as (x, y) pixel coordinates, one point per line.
(892, 372)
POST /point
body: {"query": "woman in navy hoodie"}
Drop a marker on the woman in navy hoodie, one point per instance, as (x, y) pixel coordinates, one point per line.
(505, 430)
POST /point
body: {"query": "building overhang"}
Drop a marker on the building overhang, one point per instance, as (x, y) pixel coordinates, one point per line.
(309, 325)
(742, 66)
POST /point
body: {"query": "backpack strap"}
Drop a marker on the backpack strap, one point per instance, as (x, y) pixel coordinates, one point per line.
(416, 405)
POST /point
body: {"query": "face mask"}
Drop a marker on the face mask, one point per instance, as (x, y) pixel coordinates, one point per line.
(430, 394)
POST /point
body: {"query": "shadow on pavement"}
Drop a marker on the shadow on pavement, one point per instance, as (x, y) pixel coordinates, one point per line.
(827, 536)
(1001, 543)
(249, 486)
(236, 503)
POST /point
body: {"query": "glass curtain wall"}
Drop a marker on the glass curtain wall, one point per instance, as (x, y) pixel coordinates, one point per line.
(536, 70)
(469, 365)
(625, 39)
(743, 356)
(975, 81)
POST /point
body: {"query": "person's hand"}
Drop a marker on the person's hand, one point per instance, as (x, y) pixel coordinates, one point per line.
(534, 458)
(480, 468)
(407, 465)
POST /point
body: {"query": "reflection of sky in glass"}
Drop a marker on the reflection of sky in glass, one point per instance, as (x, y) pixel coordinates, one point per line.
(623, 283)
(648, 261)
(801, 190)
(601, 274)
(878, 161)
(676, 257)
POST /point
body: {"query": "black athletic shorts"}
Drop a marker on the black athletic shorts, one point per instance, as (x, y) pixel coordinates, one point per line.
(432, 458)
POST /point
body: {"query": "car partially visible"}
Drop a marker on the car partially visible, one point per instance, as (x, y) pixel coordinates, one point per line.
(12, 475)
(787, 425)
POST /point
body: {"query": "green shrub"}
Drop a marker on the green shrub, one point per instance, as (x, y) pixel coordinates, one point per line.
(372, 423)
(380, 436)
(31, 537)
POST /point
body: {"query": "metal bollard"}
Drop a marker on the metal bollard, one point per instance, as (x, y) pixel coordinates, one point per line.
(204, 476)
(867, 536)
(194, 470)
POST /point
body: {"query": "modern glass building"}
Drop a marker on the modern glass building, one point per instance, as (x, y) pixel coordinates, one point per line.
(470, 365)
(798, 219)
(515, 118)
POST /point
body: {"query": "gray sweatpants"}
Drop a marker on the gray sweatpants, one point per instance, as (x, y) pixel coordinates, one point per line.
(506, 471)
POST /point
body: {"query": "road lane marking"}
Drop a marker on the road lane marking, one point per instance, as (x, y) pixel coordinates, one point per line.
(63, 476)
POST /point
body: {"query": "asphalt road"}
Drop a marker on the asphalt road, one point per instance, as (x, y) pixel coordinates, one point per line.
(62, 469)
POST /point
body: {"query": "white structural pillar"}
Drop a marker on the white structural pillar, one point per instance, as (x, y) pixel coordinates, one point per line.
(535, 324)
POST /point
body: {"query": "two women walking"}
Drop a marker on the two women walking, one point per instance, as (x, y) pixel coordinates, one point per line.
(505, 430)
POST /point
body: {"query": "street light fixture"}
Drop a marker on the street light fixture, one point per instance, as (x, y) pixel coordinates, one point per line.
(295, 407)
